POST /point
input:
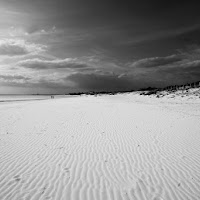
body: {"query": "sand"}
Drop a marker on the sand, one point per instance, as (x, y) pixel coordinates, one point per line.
(100, 148)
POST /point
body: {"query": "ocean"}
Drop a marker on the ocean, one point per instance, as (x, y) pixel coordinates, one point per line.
(5, 98)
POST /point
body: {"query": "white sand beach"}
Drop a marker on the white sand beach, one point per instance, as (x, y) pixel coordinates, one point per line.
(117, 147)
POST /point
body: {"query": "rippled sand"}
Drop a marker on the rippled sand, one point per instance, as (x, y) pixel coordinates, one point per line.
(105, 147)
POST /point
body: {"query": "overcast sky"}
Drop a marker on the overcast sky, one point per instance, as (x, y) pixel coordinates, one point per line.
(61, 46)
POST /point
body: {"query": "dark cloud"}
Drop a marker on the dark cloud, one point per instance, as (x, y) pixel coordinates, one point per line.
(181, 72)
(101, 82)
(180, 68)
(51, 84)
(156, 61)
(16, 47)
(14, 77)
(68, 63)
(40, 85)
(187, 71)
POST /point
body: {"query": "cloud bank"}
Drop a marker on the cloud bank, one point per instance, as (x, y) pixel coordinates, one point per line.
(156, 61)
(78, 74)
(39, 64)
(18, 47)
(13, 77)
(101, 82)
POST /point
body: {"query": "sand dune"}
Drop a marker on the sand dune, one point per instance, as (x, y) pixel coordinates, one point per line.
(100, 148)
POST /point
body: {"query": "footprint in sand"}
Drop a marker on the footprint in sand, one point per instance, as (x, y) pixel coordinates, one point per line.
(17, 178)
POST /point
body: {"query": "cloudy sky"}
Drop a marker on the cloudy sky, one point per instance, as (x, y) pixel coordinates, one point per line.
(61, 46)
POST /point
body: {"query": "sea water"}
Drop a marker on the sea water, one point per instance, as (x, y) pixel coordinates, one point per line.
(5, 98)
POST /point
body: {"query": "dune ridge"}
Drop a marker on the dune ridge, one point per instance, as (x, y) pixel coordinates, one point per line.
(105, 147)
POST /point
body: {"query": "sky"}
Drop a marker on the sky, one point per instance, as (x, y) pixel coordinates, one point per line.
(62, 46)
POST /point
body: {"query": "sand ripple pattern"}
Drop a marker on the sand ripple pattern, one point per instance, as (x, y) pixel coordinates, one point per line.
(98, 148)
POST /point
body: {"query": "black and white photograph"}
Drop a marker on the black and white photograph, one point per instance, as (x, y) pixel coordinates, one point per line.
(99, 100)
